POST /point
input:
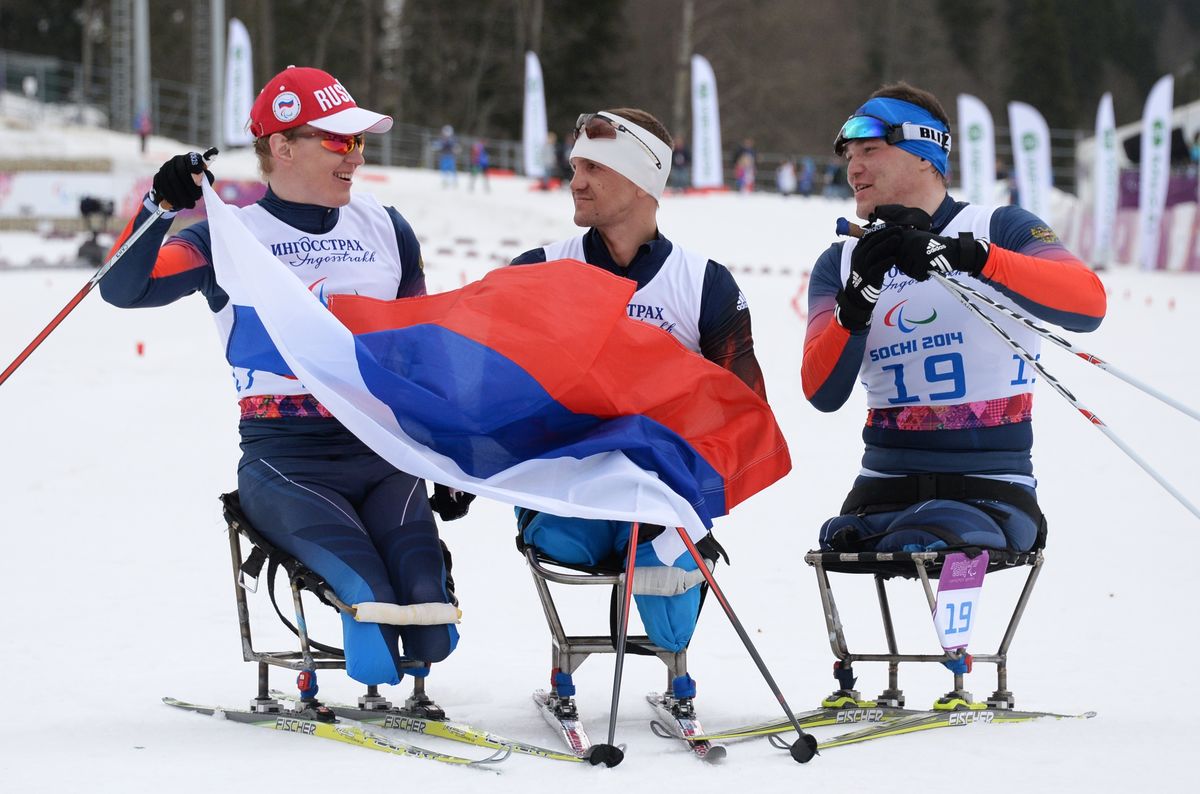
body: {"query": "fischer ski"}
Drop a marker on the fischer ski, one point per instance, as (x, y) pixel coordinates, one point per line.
(560, 713)
(815, 718)
(937, 718)
(677, 719)
(422, 722)
(346, 731)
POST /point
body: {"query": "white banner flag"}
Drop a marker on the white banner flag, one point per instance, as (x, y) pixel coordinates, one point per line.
(1155, 162)
(976, 141)
(1104, 182)
(706, 126)
(1031, 157)
(239, 86)
(534, 133)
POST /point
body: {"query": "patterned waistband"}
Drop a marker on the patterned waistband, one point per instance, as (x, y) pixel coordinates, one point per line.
(275, 406)
(964, 416)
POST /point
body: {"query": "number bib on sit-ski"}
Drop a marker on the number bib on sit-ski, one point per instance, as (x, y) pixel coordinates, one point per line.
(926, 348)
(959, 588)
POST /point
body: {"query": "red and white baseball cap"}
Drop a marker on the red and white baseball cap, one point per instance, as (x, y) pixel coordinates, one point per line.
(301, 95)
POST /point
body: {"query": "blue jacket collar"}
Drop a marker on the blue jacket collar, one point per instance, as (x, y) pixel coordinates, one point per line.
(652, 252)
(309, 218)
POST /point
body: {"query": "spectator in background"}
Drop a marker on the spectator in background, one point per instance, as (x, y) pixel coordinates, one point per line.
(808, 175)
(562, 153)
(681, 164)
(1005, 176)
(785, 178)
(743, 173)
(747, 147)
(745, 163)
(447, 150)
(144, 127)
(551, 177)
(833, 183)
(479, 164)
(1194, 153)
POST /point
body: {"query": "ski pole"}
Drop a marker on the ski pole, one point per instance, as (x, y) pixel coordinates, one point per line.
(1046, 333)
(610, 754)
(1087, 414)
(805, 746)
(79, 296)
(91, 283)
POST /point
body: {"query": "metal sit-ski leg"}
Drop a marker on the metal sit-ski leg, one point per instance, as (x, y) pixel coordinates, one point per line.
(568, 651)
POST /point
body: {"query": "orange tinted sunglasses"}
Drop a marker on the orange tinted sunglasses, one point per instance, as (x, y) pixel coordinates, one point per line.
(338, 144)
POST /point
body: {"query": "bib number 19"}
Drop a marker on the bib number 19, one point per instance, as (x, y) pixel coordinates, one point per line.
(942, 368)
(959, 588)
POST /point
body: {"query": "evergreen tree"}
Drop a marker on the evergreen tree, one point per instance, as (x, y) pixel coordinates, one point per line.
(1038, 72)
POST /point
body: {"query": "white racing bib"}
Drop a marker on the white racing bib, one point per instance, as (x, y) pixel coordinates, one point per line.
(671, 301)
(926, 348)
(358, 256)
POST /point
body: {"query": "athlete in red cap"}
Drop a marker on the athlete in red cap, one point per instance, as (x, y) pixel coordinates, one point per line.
(305, 482)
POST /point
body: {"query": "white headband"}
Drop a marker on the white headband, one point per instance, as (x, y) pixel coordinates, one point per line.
(629, 154)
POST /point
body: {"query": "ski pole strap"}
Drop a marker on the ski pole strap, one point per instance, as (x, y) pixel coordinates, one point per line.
(262, 551)
(252, 567)
(711, 549)
(885, 494)
(320, 646)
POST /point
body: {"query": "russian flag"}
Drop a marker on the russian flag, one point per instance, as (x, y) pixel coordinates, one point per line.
(530, 386)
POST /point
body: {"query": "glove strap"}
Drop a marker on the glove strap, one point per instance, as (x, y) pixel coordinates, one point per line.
(850, 316)
(972, 253)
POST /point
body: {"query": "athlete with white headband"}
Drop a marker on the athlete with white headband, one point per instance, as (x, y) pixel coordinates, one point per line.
(622, 159)
(948, 432)
(630, 150)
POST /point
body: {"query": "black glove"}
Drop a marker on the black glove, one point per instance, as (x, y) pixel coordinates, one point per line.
(872, 258)
(174, 184)
(902, 216)
(922, 253)
(448, 503)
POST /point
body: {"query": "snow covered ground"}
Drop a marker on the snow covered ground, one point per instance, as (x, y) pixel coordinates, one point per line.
(120, 433)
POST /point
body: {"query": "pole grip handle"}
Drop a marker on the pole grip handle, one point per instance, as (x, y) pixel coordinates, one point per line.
(208, 156)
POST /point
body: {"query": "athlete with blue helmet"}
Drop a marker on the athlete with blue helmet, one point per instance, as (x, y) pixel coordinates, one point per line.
(949, 424)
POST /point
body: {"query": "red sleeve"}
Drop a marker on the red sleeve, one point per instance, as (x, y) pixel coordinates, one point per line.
(825, 344)
(177, 256)
(1055, 280)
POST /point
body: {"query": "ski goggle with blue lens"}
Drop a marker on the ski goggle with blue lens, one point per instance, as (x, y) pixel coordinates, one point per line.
(863, 127)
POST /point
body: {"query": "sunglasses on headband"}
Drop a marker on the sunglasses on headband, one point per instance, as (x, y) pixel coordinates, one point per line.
(862, 127)
(338, 144)
(595, 126)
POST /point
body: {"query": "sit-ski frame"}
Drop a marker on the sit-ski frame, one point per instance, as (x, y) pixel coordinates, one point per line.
(568, 652)
(919, 565)
(306, 658)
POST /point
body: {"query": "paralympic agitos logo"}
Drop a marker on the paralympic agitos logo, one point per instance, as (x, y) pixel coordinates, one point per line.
(895, 318)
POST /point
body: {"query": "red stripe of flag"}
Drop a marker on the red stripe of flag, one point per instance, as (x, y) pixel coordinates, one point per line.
(565, 323)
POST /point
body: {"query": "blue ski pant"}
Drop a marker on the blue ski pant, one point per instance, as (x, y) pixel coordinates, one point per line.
(366, 527)
(669, 621)
(979, 522)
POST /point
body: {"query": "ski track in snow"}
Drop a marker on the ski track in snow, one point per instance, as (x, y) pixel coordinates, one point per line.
(116, 563)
